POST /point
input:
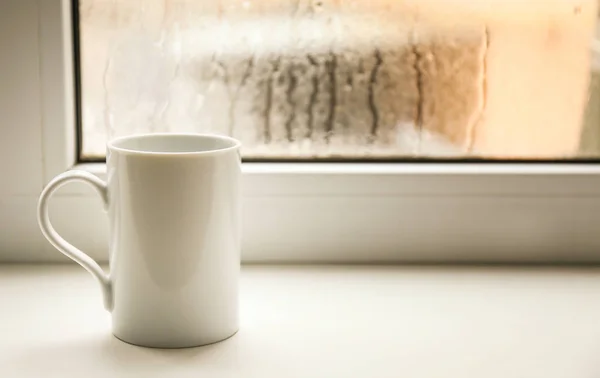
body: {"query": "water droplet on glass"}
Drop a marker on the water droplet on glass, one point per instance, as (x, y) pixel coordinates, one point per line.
(317, 6)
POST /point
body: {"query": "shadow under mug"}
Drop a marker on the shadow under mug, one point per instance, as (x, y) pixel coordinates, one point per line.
(174, 250)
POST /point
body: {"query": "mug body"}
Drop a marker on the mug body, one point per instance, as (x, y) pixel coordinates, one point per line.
(173, 207)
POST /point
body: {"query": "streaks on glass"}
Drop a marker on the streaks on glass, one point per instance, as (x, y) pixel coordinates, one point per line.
(345, 79)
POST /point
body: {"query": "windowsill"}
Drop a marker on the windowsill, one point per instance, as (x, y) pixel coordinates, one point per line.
(330, 321)
(449, 168)
(406, 179)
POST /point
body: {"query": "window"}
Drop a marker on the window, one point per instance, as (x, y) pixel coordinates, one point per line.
(353, 80)
(293, 212)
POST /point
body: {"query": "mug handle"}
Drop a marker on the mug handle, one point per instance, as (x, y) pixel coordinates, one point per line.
(61, 244)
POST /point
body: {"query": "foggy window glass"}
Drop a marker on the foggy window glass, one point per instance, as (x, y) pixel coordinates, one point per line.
(345, 79)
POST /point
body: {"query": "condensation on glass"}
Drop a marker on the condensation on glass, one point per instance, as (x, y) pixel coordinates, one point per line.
(355, 79)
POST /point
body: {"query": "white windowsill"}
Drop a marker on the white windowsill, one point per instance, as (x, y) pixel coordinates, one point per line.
(367, 168)
(325, 322)
(409, 179)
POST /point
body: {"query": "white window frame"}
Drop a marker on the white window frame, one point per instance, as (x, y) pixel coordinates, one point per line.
(323, 212)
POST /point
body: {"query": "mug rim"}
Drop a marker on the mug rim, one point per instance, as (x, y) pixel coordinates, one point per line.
(112, 145)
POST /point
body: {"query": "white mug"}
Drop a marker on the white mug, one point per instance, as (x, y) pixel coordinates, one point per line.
(173, 209)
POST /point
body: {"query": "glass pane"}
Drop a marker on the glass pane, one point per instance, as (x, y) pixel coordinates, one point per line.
(346, 79)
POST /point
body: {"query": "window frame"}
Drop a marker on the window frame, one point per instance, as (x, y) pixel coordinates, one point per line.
(346, 212)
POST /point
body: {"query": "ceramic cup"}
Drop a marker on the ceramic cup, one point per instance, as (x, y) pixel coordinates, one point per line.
(173, 210)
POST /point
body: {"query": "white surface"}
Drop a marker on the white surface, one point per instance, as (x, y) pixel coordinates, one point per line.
(325, 322)
(382, 212)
